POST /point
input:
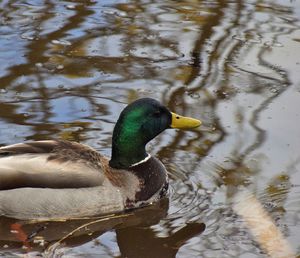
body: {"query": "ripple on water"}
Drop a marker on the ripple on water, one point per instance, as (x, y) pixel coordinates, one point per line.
(68, 69)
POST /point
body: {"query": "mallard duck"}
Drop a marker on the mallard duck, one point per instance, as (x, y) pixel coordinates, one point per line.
(58, 179)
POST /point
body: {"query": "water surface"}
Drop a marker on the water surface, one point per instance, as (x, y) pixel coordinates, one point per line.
(67, 69)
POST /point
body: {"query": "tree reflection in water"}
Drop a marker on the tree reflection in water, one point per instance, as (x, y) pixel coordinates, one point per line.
(67, 69)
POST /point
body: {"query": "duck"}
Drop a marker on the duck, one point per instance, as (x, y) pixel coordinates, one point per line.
(59, 179)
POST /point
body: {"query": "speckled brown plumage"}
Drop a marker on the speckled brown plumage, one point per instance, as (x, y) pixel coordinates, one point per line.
(116, 177)
(64, 151)
(60, 159)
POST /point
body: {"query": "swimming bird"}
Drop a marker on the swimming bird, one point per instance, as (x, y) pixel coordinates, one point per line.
(58, 179)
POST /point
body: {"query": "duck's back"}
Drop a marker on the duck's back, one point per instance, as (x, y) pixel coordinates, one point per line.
(54, 179)
(49, 164)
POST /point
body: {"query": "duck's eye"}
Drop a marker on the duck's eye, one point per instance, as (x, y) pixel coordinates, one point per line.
(157, 113)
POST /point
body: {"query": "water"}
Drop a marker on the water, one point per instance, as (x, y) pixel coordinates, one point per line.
(69, 67)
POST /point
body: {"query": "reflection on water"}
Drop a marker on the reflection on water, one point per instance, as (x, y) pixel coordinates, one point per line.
(261, 225)
(69, 67)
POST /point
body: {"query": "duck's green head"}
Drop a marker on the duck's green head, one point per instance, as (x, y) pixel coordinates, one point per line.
(138, 124)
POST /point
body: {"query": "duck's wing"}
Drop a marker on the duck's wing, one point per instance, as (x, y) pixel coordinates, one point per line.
(50, 164)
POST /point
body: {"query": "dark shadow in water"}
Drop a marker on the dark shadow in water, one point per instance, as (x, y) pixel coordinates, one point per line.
(136, 242)
(133, 230)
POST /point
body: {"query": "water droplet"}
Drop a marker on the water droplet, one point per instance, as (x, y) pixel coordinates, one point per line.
(151, 36)
(274, 90)
(61, 42)
(239, 38)
(267, 44)
(255, 41)
(60, 67)
(26, 36)
(273, 44)
(277, 44)
(282, 72)
(194, 95)
(39, 65)
(121, 14)
(71, 6)
(269, 205)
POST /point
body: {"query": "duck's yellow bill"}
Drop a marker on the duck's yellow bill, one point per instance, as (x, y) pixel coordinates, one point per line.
(182, 122)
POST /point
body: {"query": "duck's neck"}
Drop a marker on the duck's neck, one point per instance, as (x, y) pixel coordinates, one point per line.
(127, 150)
